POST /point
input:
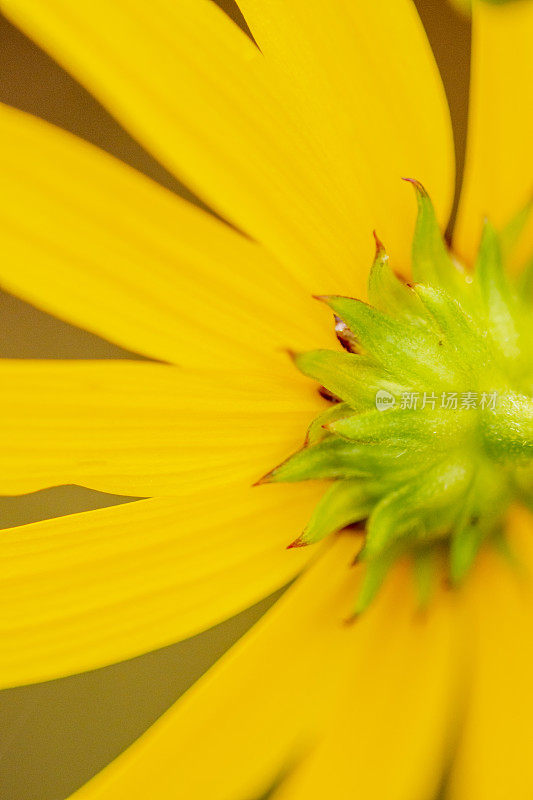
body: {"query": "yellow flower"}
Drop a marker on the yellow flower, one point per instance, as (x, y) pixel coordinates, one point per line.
(299, 142)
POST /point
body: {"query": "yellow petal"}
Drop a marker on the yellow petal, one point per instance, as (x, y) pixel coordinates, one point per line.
(82, 591)
(494, 755)
(499, 166)
(144, 429)
(93, 241)
(193, 88)
(391, 736)
(252, 713)
(301, 671)
(365, 82)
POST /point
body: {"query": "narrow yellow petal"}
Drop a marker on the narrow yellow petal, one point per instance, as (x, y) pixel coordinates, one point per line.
(250, 716)
(193, 88)
(364, 80)
(93, 241)
(499, 166)
(391, 736)
(494, 755)
(82, 591)
(144, 429)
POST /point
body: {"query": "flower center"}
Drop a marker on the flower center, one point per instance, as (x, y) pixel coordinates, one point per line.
(429, 436)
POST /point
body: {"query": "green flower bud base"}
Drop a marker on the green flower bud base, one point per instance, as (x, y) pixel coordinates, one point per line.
(429, 437)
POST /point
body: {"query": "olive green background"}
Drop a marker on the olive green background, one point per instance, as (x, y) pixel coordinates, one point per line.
(54, 736)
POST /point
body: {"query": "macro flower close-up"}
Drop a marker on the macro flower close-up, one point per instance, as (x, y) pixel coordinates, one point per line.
(327, 389)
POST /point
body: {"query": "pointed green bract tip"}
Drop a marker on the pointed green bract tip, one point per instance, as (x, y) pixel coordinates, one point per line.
(419, 189)
(431, 434)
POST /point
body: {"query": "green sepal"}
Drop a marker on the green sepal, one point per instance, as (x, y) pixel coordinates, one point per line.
(432, 263)
(423, 504)
(409, 354)
(400, 427)
(464, 548)
(353, 378)
(508, 429)
(497, 296)
(388, 522)
(389, 294)
(467, 536)
(375, 572)
(344, 503)
(453, 321)
(334, 457)
(478, 520)
(317, 430)
(330, 458)
(425, 569)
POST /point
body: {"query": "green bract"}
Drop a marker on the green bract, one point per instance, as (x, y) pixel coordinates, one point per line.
(431, 436)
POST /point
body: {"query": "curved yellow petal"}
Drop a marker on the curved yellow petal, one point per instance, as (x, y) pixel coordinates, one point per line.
(82, 591)
(245, 721)
(301, 671)
(400, 709)
(391, 736)
(93, 241)
(144, 429)
(193, 88)
(494, 755)
(498, 178)
(365, 82)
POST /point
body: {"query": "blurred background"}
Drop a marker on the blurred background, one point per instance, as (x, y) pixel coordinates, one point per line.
(55, 736)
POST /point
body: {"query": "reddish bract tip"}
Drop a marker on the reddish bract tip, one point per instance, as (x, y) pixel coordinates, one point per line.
(264, 479)
(380, 247)
(359, 556)
(351, 620)
(299, 542)
(291, 353)
(418, 186)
